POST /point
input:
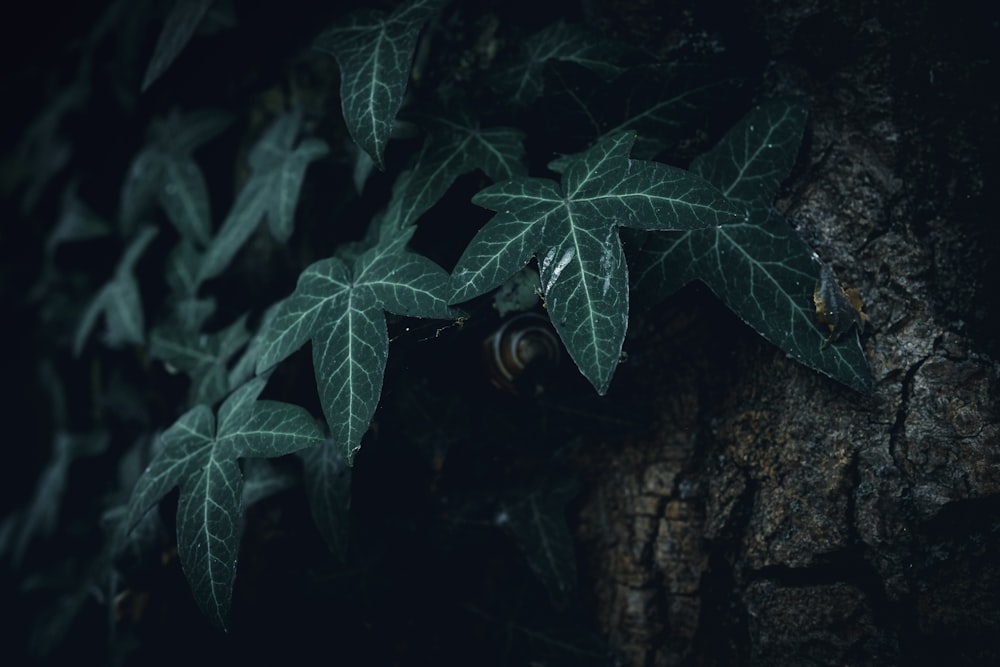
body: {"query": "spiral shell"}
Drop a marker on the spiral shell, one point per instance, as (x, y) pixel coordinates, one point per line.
(519, 353)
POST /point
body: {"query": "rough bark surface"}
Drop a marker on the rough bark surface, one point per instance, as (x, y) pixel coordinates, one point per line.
(774, 517)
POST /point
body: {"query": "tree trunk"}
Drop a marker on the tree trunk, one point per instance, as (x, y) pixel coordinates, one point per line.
(774, 516)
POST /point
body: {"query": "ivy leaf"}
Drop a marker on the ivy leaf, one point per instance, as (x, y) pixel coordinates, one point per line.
(43, 149)
(184, 133)
(203, 357)
(262, 479)
(187, 312)
(363, 166)
(375, 51)
(245, 366)
(180, 26)
(571, 229)
(182, 269)
(184, 197)
(165, 172)
(760, 267)
(77, 222)
(538, 520)
(340, 309)
(40, 518)
(327, 473)
(455, 146)
(119, 301)
(272, 191)
(141, 188)
(757, 154)
(199, 454)
(521, 79)
(662, 103)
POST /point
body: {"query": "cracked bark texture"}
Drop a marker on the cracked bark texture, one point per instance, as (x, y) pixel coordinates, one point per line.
(773, 516)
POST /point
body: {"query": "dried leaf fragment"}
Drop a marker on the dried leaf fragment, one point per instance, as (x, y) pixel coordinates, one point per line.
(839, 309)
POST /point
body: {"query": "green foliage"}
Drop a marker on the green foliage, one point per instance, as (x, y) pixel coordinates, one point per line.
(277, 168)
(521, 80)
(119, 301)
(214, 302)
(39, 519)
(203, 357)
(327, 479)
(165, 173)
(759, 267)
(375, 51)
(179, 28)
(536, 516)
(456, 145)
(662, 103)
(339, 308)
(570, 228)
(199, 455)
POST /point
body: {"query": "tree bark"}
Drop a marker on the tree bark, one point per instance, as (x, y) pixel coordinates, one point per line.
(773, 516)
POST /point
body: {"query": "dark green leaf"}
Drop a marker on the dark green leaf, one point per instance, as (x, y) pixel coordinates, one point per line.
(559, 640)
(184, 197)
(182, 269)
(278, 170)
(521, 79)
(455, 146)
(262, 479)
(759, 267)
(375, 51)
(177, 31)
(43, 149)
(510, 239)
(187, 313)
(203, 357)
(182, 134)
(39, 519)
(341, 310)
(572, 230)
(349, 362)
(538, 520)
(750, 163)
(404, 283)
(119, 301)
(244, 367)
(122, 305)
(327, 475)
(77, 222)
(202, 460)
(142, 183)
(164, 172)
(321, 288)
(363, 166)
(662, 103)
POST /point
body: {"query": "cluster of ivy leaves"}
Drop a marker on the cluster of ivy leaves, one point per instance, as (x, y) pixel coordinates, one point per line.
(712, 222)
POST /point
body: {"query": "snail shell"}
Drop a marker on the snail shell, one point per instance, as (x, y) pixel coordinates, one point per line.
(520, 351)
